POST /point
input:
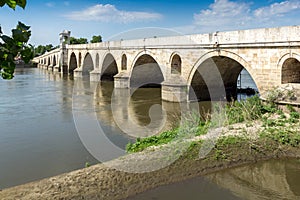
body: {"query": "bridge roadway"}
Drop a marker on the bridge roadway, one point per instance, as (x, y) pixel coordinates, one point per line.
(188, 67)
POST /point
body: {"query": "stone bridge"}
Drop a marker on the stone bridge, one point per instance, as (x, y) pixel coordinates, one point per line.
(188, 67)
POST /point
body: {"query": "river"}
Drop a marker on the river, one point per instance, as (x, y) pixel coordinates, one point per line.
(41, 137)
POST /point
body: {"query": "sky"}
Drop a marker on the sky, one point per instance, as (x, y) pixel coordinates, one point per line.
(132, 18)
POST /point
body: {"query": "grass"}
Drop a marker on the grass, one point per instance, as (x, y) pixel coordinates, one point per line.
(154, 140)
(280, 129)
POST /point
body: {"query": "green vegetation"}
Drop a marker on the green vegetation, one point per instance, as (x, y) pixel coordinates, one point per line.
(13, 3)
(87, 164)
(154, 140)
(74, 40)
(250, 109)
(15, 46)
(41, 49)
(277, 128)
(96, 39)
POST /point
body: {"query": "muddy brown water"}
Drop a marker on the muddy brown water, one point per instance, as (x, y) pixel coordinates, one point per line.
(39, 139)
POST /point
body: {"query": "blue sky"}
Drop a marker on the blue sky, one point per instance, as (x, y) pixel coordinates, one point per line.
(110, 17)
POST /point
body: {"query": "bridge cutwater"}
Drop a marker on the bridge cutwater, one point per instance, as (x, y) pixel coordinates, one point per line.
(187, 66)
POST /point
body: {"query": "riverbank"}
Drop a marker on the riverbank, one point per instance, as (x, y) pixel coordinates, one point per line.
(272, 134)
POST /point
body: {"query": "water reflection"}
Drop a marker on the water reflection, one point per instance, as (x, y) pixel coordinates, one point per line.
(269, 180)
(38, 138)
(266, 180)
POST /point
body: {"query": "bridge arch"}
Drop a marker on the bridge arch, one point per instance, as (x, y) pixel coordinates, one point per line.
(228, 65)
(73, 63)
(54, 61)
(88, 64)
(290, 68)
(109, 67)
(146, 71)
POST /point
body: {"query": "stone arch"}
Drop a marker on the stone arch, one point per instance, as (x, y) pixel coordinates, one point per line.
(54, 61)
(290, 68)
(146, 72)
(109, 68)
(175, 64)
(73, 63)
(124, 62)
(224, 75)
(88, 64)
(49, 61)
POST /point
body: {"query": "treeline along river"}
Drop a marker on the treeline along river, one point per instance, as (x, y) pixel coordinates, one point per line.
(38, 137)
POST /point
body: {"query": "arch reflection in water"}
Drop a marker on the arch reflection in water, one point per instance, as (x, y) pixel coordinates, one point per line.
(268, 180)
(275, 179)
(111, 109)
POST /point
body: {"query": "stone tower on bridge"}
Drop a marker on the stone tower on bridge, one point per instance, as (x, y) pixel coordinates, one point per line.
(64, 38)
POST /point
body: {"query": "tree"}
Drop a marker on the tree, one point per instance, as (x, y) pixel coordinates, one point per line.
(40, 50)
(15, 45)
(74, 40)
(96, 38)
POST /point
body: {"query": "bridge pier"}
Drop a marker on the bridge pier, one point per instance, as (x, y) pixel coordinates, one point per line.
(95, 75)
(78, 73)
(56, 68)
(174, 92)
(50, 68)
(121, 80)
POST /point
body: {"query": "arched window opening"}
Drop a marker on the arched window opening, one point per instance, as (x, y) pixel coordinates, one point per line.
(124, 62)
(290, 71)
(176, 65)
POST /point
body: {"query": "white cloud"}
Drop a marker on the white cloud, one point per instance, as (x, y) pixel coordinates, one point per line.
(109, 13)
(277, 9)
(50, 4)
(223, 13)
(232, 15)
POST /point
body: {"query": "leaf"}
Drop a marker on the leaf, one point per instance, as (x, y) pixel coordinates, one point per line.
(21, 3)
(19, 36)
(12, 4)
(2, 3)
(27, 54)
(22, 26)
(7, 39)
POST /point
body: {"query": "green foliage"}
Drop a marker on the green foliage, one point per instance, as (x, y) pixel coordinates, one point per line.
(229, 140)
(15, 45)
(143, 143)
(74, 40)
(96, 39)
(87, 164)
(283, 136)
(12, 4)
(203, 128)
(250, 109)
(41, 49)
(283, 130)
